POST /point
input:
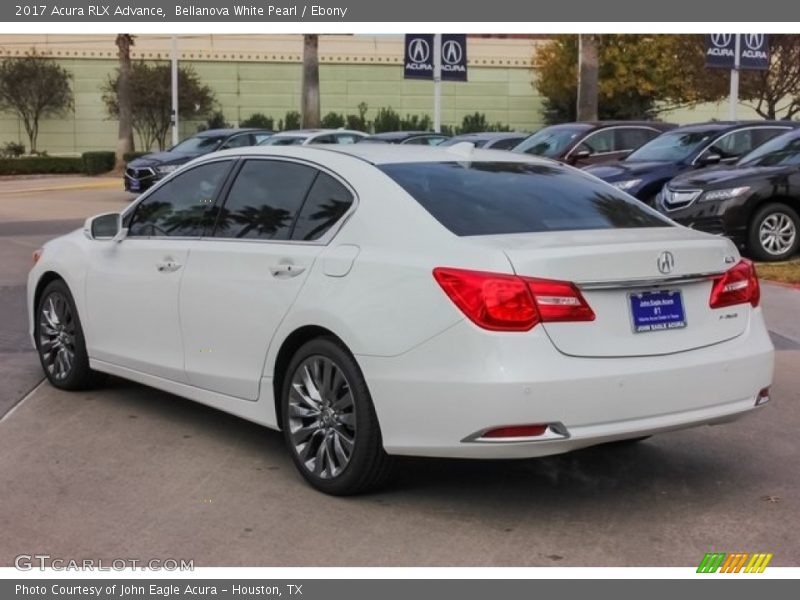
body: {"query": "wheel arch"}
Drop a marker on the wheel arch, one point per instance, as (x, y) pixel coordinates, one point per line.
(46, 278)
(290, 345)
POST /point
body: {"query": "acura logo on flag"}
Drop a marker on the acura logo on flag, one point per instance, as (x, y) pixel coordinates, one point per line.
(754, 41)
(418, 50)
(721, 40)
(451, 52)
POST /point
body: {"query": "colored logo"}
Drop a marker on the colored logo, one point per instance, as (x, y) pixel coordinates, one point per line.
(737, 562)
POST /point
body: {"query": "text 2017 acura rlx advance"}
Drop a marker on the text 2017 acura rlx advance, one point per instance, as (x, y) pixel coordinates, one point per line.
(373, 301)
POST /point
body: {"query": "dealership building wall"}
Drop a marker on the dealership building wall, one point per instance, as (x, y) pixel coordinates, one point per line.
(254, 73)
(262, 73)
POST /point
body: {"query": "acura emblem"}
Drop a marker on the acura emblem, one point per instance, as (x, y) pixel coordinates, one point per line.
(754, 41)
(665, 262)
(451, 52)
(721, 40)
(418, 50)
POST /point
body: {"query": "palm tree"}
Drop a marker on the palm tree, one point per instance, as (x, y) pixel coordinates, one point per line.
(587, 76)
(310, 91)
(125, 136)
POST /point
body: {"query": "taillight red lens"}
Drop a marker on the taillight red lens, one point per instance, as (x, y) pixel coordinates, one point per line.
(559, 301)
(501, 302)
(491, 300)
(738, 285)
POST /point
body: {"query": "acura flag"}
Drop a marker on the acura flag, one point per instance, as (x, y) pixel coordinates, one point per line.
(418, 60)
(753, 50)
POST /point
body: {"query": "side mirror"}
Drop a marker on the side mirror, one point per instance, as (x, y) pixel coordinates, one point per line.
(581, 154)
(107, 226)
(711, 158)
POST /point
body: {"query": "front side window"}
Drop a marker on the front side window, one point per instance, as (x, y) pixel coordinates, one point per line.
(182, 205)
(264, 200)
(600, 142)
(550, 141)
(238, 141)
(490, 198)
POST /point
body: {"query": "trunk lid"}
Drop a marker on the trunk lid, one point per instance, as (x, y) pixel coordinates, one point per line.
(610, 266)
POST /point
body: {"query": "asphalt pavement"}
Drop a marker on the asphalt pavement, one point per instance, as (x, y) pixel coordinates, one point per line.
(130, 472)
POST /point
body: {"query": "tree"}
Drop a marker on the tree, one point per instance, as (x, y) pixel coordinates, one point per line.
(258, 120)
(775, 94)
(33, 88)
(588, 46)
(125, 144)
(151, 104)
(310, 90)
(639, 76)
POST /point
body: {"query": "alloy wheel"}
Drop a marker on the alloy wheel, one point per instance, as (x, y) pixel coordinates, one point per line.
(322, 417)
(57, 336)
(777, 233)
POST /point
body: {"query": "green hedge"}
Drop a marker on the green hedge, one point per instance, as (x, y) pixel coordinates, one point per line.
(30, 165)
(95, 163)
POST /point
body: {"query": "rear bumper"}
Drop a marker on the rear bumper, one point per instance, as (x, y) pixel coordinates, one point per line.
(431, 400)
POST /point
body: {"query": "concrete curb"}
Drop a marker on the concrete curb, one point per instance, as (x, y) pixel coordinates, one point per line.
(110, 184)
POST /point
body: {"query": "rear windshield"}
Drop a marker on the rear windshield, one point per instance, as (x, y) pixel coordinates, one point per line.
(489, 198)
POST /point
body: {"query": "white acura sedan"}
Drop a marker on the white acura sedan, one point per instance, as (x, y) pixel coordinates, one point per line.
(374, 301)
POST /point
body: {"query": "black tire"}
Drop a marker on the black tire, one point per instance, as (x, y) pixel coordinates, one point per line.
(368, 465)
(77, 375)
(772, 212)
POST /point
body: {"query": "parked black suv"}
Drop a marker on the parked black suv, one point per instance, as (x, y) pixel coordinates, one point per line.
(756, 202)
(144, 171)
(687, 148)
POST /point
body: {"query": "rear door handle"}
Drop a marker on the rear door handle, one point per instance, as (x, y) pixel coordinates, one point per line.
(284, 271)
(168, 265)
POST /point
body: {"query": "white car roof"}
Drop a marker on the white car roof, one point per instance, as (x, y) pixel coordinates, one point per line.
(379, 154)
(307, 133)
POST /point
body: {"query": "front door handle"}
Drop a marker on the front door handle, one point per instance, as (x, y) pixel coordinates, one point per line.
(168, 265)
(285, 270)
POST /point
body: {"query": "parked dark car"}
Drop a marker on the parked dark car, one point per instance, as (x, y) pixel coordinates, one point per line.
(756, 202)
(422, 138)
(143, 172)
(494, 140)
(582, 144)
(687, 148)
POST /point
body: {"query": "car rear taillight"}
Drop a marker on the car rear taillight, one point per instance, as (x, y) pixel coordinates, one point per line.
(738, 285)
(501, 302)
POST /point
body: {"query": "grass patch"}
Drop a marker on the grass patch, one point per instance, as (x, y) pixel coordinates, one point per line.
(785, 272)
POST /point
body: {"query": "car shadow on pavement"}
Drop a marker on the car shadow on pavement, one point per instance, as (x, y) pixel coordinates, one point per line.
(685, 463)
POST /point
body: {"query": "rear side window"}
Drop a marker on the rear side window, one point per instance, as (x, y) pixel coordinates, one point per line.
(327, 202)
(264, 200)
(489, 198)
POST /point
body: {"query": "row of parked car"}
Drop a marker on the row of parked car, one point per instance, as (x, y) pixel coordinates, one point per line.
(740, 179)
